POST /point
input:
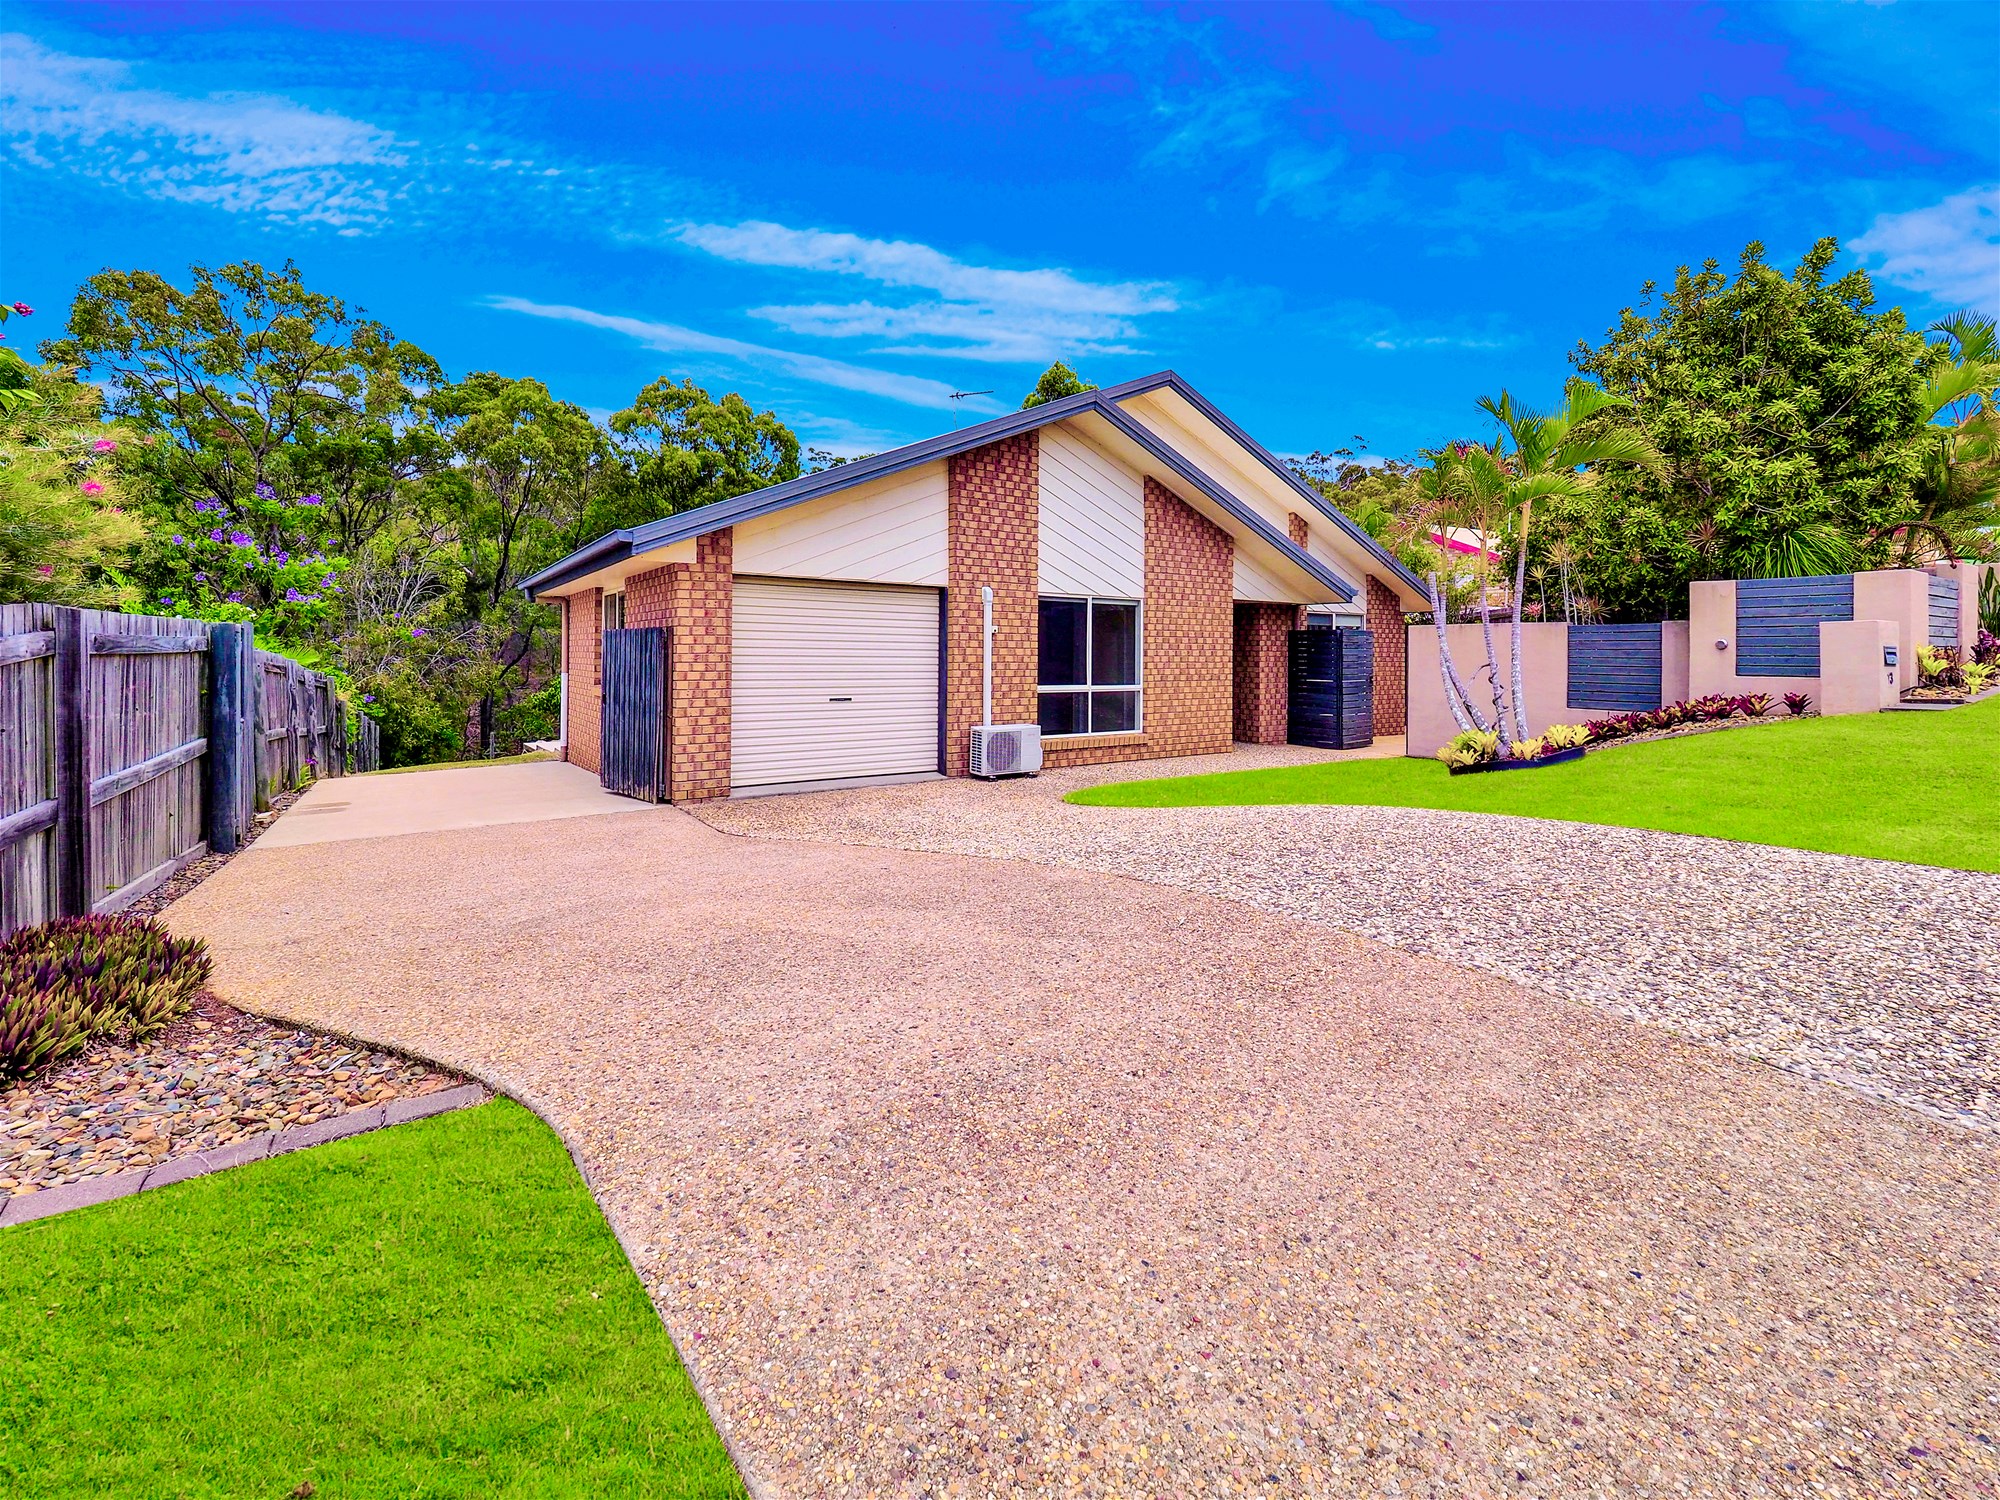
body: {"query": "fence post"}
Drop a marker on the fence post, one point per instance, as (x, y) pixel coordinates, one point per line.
(260, 745)
(72, 832)
(227, 732)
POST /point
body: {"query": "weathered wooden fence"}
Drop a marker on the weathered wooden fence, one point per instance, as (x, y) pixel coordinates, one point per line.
(365, 753)
(133, 744)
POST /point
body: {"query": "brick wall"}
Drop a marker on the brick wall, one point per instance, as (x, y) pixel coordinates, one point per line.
(703, 598)
(1385, 619)
(693, 602)
(1188, 633)
(1262, 670)
(994, 536)
(1296, 525)
(583, 659)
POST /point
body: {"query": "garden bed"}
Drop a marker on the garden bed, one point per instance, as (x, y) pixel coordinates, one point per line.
(1932, 699)
(210, 1078)
(214, 1077)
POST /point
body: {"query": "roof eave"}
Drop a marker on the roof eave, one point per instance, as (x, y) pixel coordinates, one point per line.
(1284, 472)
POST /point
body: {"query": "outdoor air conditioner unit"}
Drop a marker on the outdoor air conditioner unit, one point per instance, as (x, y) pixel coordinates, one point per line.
(1006, 750)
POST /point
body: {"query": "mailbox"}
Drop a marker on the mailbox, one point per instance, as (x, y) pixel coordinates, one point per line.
(1888, 656)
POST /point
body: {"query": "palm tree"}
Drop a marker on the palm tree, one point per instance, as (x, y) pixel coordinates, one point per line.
(1958, 493)
(1537, 456)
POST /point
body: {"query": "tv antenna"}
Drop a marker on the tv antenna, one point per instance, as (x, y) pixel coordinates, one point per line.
(957, 396)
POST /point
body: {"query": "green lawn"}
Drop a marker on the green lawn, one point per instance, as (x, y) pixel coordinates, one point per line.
(1921, 787)
(436, 1309)
(526, 757)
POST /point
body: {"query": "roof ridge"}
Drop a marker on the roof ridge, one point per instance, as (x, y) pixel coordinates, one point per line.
(1105, 402)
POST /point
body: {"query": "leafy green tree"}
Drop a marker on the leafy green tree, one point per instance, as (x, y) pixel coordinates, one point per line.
(1787, 410)
(285, 424)
(686, 449)
(1057, 381)
(63, 530)
(526, 470)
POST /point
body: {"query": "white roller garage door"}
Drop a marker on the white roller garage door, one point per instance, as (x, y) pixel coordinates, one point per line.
(831, 681)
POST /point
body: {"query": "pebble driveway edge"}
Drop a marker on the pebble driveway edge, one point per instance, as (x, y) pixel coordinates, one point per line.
(27, 1207)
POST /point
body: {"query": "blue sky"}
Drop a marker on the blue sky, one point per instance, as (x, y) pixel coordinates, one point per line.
(1335, 220)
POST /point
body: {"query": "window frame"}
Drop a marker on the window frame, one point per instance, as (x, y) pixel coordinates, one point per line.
(604, 610)
(1090, 690)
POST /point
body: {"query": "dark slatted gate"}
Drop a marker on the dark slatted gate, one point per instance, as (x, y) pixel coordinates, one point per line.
(634, 747)
(1944, 612)
(1331, 702)
(1778, 619)
(1614, 667)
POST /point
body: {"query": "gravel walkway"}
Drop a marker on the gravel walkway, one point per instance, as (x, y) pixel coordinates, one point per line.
(1884, 978)
(213, 1078)
(968, 1177)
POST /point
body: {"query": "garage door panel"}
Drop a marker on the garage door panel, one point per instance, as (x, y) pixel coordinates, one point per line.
(832, 681)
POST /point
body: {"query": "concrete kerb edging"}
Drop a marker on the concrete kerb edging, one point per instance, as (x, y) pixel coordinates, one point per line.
(25, 1208)
(759, 1488)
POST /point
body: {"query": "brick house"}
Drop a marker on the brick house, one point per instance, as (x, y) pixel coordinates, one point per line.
(1147, 560)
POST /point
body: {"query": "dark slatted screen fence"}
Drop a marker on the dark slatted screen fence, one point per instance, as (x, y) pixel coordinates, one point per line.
(1777, 622)
(1615, 667)
(1944, 612)
(1331, 702)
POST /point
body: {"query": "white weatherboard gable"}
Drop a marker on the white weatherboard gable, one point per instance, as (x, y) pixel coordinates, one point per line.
(1256, 583)
(1321, 550)
(890, 530)
(1093, 519)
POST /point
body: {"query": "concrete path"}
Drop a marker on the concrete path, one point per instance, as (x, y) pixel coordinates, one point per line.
(383, 804)
(967, 1177)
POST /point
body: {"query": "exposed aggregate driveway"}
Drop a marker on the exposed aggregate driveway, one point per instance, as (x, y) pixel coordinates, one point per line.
(1879, 976)
(965, 1176)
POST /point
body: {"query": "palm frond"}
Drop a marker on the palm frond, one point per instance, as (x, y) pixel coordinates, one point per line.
(1972, 334)
(1812, 550)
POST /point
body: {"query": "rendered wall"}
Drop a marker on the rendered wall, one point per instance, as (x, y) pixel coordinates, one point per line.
(1545, 676)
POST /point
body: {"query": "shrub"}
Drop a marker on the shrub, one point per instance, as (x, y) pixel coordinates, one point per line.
(1939, 667)
(1754, 705)
(1798, 705)
(66, 981)
(1527, 749)
(1987, 652)
(1979, 675)
(1566, 736)
(1470, 747)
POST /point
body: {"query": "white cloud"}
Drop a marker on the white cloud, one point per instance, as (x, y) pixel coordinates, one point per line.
(244, 153)
(1949, 251)
(673, 338)
(979, 312)
(1367, 325)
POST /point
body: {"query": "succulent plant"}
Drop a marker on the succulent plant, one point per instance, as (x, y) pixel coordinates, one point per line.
(1798, 704)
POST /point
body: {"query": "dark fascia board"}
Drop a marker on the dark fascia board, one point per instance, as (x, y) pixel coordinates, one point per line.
(748, 507)
(618, 546)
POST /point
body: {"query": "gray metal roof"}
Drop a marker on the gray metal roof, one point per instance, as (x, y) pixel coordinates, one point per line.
(618, 546)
